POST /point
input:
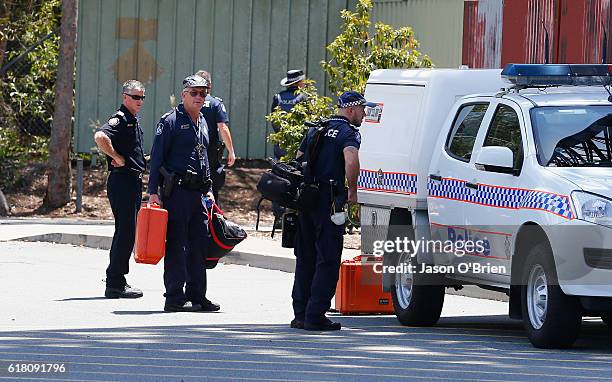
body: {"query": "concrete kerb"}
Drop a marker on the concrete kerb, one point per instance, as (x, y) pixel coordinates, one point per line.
(237, 257)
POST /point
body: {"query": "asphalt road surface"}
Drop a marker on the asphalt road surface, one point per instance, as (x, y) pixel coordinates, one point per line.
(53, 314)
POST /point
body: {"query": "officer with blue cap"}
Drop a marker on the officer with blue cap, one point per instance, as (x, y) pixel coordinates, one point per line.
(319, 242)
(179, 154)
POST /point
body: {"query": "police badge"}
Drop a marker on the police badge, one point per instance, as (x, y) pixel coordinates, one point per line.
(159, 129)
(113, 121)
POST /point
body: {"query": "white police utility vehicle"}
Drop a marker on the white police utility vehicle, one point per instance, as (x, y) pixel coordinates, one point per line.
(500, 180)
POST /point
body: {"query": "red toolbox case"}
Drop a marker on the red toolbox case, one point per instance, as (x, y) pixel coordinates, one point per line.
(151, 227)
(359, 289)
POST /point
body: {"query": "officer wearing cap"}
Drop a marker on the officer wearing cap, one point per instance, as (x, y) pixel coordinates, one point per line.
(219, 135)
(286, 100)
(319, 242)
(121, 140)
(179, 153)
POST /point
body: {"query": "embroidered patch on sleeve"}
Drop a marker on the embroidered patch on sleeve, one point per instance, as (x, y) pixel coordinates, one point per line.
(159, 129)
(113, 121)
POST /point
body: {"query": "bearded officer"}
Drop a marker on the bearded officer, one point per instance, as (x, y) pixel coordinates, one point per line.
(179, 151)
(319, 242)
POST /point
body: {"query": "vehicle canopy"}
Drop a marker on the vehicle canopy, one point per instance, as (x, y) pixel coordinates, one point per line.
(398, 136)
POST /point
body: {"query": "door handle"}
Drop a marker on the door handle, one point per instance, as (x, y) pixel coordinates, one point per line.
(472, 185)
(435, 177)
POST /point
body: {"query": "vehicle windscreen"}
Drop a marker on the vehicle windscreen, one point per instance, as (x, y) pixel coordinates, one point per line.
(573, 136)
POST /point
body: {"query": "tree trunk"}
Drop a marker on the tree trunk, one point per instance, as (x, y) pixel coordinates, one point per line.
(58, 166)
(3, 16)
(5, 209)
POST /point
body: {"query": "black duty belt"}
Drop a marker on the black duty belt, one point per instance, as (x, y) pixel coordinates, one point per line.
(192, 183)
(137, 174)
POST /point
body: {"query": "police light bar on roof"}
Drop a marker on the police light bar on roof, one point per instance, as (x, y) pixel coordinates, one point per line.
(541, 75)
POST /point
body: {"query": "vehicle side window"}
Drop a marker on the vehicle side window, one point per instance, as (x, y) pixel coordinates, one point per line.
(505, 130)
(465, 129)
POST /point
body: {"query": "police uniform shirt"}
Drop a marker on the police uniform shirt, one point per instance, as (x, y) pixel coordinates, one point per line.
(126, 136)
(214, 112)
(287, 99)
(174, 146)
(330, 162)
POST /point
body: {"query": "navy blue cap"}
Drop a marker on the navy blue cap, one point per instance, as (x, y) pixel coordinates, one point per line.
(195, 82)
(352, 98)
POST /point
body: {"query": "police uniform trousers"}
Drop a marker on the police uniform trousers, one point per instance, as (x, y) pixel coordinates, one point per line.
(318, 251)
(124, 191)
(186, 246)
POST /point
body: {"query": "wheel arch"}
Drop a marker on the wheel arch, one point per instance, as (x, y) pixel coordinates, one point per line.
(528, 235)
(400, 217)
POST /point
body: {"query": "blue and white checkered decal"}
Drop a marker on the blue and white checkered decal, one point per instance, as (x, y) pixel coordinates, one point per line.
(393, 182)
(502, 197)
(557, 204)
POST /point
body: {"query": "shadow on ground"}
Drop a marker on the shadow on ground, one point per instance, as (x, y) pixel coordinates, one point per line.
(491, 348)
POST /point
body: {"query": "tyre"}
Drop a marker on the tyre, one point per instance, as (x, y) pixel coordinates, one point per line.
(607, 319)
(416, 302)
(551, 318)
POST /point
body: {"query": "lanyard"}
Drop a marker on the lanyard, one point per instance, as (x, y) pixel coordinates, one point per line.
(200, 140)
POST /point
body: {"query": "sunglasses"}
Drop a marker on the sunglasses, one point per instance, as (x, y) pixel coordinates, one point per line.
(195, 93)
(135, 97)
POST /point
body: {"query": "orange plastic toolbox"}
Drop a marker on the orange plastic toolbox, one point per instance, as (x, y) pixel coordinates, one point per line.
(359, 288)
(151, 227)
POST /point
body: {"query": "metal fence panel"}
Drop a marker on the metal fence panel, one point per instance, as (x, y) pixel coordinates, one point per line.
(438, 26)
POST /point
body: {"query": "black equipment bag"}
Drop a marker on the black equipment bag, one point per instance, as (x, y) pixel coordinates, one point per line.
(290, 184)
(224, 236)
(281, 183)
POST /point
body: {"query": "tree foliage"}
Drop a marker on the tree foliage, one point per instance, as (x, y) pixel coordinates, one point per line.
(358, 50)
(27, 87)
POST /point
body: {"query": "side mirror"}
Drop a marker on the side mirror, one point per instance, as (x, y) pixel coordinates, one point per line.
(496, 159)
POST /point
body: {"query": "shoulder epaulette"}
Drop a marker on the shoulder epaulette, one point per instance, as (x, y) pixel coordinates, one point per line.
(120, 114)
(166, 114)
(218, 98)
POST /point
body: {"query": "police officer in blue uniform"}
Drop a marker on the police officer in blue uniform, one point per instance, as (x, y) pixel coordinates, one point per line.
(286, 100)
(179, 154)
(219, 135)
(319, 242)
(121, 140)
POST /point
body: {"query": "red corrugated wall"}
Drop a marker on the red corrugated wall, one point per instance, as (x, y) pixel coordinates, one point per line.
(562, 31)
(584, 31)
(473, 36)
(530, 31)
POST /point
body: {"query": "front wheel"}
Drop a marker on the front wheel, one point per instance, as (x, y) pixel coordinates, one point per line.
(551, 318)
(416, 302)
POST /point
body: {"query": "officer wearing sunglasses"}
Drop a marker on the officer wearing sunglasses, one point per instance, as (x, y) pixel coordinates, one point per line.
(121, 140)
(180, 153)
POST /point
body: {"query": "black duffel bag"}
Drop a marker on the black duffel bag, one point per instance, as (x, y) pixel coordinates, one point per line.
(281, 183)
(224, 236)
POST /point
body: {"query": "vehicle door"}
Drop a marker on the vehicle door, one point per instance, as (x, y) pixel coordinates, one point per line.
(491, 218)
(449, 175)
